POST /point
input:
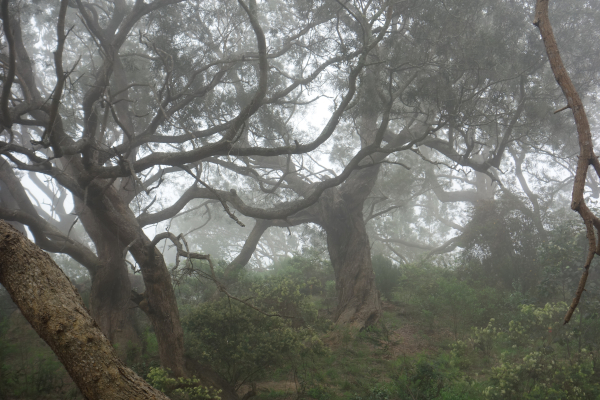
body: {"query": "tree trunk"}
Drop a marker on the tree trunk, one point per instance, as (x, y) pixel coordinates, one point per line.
(342, 218)
(111, 305)
(54, 309)
(233, 269)
(158, 302)
(110, 297)
(341, 215)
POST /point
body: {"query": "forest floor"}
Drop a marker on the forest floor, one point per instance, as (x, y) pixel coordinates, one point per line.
(442, 338)
(358, 358)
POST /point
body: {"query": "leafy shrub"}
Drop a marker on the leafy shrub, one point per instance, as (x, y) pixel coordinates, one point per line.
(314, 274)
(285, 296)
(320, 392)
(541, 376)
(149, 358)
(378, 392)
(437, 295)
(503, 245)
(550, 368)
(424, 379)
(461, 390)
(548, 371)
(242, 343)
(181, 388)
(387, 276)
(484, 338)
(28, 367)
(561, 256)
(307, 267)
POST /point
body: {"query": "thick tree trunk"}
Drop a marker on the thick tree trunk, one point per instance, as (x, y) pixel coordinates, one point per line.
(111, 305)
(54, 309)
(341, 215)
(158, 302)
(110, 297)
(342, 218)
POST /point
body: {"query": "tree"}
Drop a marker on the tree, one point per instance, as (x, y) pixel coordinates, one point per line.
(128, 111)
(513, 134)
(54, 309)
(455, 94)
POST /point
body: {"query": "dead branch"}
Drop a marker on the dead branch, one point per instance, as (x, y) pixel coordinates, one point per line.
(586, 151)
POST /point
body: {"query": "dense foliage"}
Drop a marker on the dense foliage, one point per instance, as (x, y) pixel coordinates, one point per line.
(243, 344)
(444, 335)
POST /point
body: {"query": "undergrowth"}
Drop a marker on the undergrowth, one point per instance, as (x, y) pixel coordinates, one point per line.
(441, 336)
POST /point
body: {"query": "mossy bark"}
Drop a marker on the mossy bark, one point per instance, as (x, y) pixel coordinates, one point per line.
(55, 310)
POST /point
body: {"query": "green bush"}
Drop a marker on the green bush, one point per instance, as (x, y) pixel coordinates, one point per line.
(387, 276)
(551, 368)
(308, 267)
(379, 392)
(320, 392)
(181, 388)
(285, 296)
(461, 390)
(425, 379)
(149, 358)
(28, 367)
(535, 357)
(540, 375)
(439, 297)
(241, 343)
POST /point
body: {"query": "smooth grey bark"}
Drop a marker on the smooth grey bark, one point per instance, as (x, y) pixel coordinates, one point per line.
(110, 297)
(341, 215)
(158, 301)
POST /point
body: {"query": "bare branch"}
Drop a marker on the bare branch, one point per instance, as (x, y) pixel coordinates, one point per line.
(586, 150)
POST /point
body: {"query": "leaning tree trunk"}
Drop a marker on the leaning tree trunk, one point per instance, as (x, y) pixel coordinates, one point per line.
(158, 301)
(342, 218)
(54, 309)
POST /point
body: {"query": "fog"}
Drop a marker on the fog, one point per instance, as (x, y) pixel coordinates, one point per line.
(310, 199)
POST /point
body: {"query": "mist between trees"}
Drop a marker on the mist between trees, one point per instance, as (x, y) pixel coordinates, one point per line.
(240, 190)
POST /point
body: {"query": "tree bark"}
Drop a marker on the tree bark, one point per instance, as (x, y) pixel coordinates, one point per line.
(587, 156)
(110, 297)
(239, 262)
(158, 302)
(342, 218)
(54, 309)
